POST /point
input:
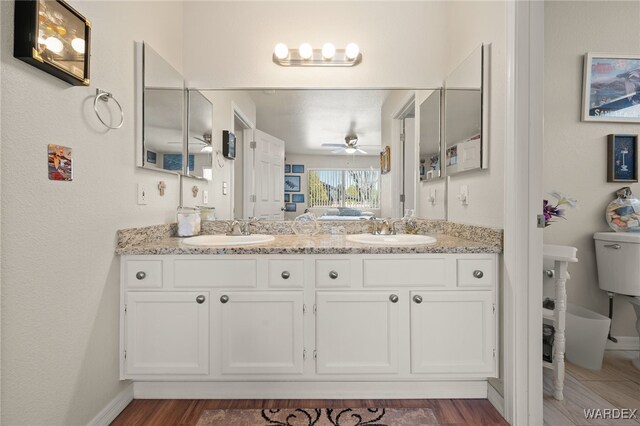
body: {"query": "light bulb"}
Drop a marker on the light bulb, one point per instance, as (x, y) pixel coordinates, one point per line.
(78, 45)
(352, 51)
(207, 149)
(281, 51)
(328, 50)
(349, 150)
(305, 50)
(54, 44)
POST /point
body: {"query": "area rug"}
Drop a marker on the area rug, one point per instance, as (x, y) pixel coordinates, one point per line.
(320, 417)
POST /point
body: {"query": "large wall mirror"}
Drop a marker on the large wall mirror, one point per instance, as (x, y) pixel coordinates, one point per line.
(163, 107)
(463, 116)
(430, 137)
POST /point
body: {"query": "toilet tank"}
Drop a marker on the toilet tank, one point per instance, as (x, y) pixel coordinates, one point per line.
(618, 259)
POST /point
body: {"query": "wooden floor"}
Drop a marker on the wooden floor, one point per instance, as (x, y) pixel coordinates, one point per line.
(188, 411)
(616, 385)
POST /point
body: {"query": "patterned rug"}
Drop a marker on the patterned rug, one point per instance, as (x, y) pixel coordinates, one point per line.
(320, 417)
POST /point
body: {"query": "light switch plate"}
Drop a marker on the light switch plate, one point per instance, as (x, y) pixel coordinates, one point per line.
(142, 194)
(463, 195)
(205, 196)
(224, 188)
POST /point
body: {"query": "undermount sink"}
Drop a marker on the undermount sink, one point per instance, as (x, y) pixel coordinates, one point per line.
(228, 240)
(391, 240)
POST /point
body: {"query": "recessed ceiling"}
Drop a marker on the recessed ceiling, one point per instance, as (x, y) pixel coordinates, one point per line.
(306, 119)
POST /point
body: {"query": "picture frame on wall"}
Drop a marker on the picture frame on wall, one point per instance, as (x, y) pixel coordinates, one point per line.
(291, 183)
(622, 158)
(287, 198)
(385, 160)
(297, 168)
(290, 207)
(611, 88)
(287, 168)
(297, 198)
(54, 37)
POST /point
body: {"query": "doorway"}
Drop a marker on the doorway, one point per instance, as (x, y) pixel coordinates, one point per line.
(408, 164)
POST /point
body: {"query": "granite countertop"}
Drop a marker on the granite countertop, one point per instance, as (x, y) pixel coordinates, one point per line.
(318, 244)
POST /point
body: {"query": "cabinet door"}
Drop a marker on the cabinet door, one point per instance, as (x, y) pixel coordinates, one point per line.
(452, 332)
(167, 333)
(260, 332)
(357, 332)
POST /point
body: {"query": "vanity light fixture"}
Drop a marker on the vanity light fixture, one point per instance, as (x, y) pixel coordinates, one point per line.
(306, 56)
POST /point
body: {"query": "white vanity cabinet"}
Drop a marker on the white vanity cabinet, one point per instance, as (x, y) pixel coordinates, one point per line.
(258, 332)
(256, 322)
(357, 332)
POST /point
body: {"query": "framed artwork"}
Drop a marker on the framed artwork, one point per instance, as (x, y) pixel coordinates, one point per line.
(297, 168)
(291, 183)
(385, 160)
(54, 37)
(297, 198)
(290, 207)
(622, 158)
(287, 168)
(287, 198)
(611, 90)
(151, 157)
(60, 163)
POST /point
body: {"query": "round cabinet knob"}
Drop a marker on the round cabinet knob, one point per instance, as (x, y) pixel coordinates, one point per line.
(478, 273)
(200, 299)
(333, 275)
(393, 298)
(285, 275)
(141, 275)
(224, 298)
(417, 299)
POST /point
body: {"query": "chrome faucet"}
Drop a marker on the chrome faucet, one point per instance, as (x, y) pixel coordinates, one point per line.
(235, 229)
(385, 227)
(246, 226)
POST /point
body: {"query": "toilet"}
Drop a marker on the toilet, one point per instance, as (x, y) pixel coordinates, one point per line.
(618, 259)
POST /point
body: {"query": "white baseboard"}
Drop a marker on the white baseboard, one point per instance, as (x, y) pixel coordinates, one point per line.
(625, 343)
(495, 399)
(310, 390)
(114, 407)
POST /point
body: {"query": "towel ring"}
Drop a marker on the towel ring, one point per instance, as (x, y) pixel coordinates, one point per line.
(105, 96)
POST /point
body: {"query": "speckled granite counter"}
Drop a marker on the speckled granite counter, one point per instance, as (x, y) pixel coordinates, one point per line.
(319, 244)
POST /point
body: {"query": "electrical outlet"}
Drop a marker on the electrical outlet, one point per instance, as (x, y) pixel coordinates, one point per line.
(224, 188)
(142, 194)
(205, 197)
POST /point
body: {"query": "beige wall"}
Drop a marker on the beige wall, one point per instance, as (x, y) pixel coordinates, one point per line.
(60, 278)
(575, 152)
(230, 44)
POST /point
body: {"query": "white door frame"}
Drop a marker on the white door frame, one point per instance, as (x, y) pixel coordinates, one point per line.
(523, 199)
(247, 186)
(398, 159)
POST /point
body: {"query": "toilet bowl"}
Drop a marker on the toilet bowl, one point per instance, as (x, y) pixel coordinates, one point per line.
(618, 260)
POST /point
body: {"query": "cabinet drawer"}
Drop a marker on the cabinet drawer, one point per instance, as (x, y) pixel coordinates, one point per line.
(333, 273)
(475, 272)
(143, 274)
(286, 273)
(227, 273)
(404, 272)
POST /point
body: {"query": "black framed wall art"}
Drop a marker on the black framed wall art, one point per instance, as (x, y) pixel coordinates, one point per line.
(54, 37)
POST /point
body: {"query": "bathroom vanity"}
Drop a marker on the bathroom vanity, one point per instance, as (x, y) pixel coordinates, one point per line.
(313, 317)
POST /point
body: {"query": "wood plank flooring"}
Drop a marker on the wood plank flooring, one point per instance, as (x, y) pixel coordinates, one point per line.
(186, 412)
(616, 385)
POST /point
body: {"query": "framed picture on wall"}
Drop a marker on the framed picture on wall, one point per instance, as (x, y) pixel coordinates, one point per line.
(297, 168)
(611, 90)
(54, 37)
(290, 207)
(287, 198)
(622, 158)
(287, 168)
(297, 198)
(385, 160)
(291, 183)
